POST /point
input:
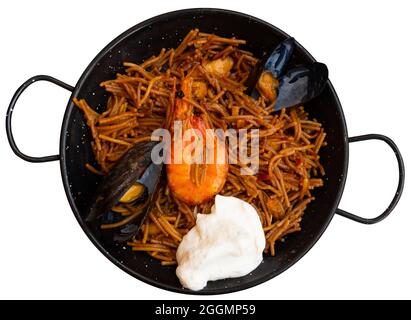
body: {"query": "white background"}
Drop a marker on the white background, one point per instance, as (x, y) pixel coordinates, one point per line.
(366, 45)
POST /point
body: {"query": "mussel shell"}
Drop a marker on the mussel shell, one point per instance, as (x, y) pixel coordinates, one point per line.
(151, 180)
(123, 175)
(297, 86)
(278, 59)
(300, 85)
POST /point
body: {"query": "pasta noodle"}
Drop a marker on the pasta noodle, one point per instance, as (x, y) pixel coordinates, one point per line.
(142, 100)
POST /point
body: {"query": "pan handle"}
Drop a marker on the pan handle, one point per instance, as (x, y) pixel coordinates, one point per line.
(13, 102)
(401, 171)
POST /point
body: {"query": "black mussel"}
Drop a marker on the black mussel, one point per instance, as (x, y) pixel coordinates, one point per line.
(274, 61)
(125, 195)
(297, 86)
(123, 175)
(119, 228)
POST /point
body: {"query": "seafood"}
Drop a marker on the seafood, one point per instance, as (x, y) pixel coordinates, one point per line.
(195, 183)
(301, 85)
(297, 86)
(125, 195)
(220, 67)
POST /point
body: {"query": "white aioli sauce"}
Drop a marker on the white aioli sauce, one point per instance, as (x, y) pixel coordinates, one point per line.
(226, 243)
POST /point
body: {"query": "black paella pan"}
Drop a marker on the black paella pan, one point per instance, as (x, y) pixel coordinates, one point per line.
(146, 39)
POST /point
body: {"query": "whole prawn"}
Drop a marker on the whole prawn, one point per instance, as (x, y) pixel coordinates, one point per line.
(195, 183)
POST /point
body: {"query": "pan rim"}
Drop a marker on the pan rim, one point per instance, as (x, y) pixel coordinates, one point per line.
(63, 167)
